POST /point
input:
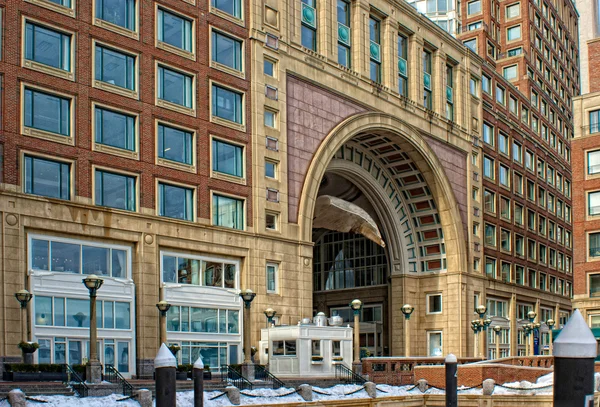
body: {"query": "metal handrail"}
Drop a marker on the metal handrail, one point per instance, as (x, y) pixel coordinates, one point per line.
(262, 373)
(232, 376)
(348, 376)
(76, 382)
(112, 375)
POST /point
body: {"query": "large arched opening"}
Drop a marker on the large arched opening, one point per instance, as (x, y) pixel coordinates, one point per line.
(386, 168)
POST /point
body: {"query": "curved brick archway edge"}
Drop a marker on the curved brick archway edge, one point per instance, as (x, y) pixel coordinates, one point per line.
(422, 155)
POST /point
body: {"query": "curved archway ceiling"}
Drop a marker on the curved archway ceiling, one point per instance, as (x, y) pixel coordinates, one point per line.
(340, 215)
(392, 167)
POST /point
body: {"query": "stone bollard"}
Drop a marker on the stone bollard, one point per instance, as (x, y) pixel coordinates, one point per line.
(451, 381)
(144, 397)
(198, 376)
(488, 387)
(165, 367)
(16, 398)
(574, 354)
(422, 385)
(233, 394)
(371, 389)
(305, 391)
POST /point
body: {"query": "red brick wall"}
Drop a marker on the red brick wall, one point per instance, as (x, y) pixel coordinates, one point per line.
(593, 64)
(13, 74)
(473, 375)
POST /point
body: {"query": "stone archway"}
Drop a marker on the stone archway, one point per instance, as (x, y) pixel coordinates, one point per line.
(401, 176)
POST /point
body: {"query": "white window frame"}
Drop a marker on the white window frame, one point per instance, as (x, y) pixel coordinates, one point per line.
(429, 311)
(276, 277)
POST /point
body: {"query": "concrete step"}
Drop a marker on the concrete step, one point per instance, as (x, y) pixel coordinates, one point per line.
(37, 388)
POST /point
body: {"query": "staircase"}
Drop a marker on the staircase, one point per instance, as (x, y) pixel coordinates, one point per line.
(263, 379)
(181, 385)
(37, 388)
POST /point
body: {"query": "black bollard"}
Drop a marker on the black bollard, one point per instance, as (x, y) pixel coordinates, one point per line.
(165, 366)
(451, 381)
(574, 354)
(198, 376)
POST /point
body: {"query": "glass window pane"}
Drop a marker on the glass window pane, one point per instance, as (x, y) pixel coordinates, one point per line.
(227, 51)
(47, 47)
(43, 310)
(213, 274)
(75, 352)
(122, 315)
(44, 351)
(175, 144)
(119, 263)
(59, 311)
(227, 158)
(233, 7)
(78, 313)
(175, 87)
(123, 357)
(228, 212)
(169, 269)
(174, 30)
(233, 322)
(115, 190)
(47, 178)
(115, 68)
(115, 129)
(230, 275)
(65, 257)
(118, 12)
(204, 320)
(47, 112)
(109, 353)
(173, 322)
(39, 254)
(109, 319)
(176, 202)
(227, 104)
(95, 260)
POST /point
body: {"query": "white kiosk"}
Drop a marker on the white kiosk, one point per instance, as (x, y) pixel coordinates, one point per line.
(310, 349)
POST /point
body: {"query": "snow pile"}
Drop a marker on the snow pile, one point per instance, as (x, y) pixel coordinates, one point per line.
(74, 401)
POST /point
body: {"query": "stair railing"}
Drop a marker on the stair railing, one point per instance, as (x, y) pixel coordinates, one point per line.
(76, 382)
(262, 373)
(112, 375)
(347, 375)
(231, 376)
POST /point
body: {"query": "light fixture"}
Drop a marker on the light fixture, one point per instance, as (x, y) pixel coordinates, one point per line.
(481, 310)
(497, 329)
(550, 323)
(163, 307)
(356, 305)
(23, 296)
(93, 283)
(407, 309)
(531, 315)
(247, 296)
(270, 314)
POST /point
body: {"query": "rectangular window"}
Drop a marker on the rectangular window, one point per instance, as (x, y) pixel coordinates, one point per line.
(529, 159)
(500, 96)
(490, 235)
(488, 167)
(272, 271)
(490, 267)
(513, 105)
(503, 143)
(513, 33)
(510, 72)
(227, 104)
(593, 162)
(427, 85)
(489, 200)
(309, 24)
(486, 84)
(175, 202)
(434, 344)
(449, 93)
(196, 270)
(474, 7)
(47, 178)
(344, 23)
(47, 112)
(504, 176)
(519, 246)
(117, 12)
(514, 10)
(175, 30)
(593, 203)
(434, 303)
(517, 152)
(488, 134)
(269, 67)
(403, 65)
(231, 7)
(271, 221)
(115, 190)
(270, 118)
(270, 169)
(227, 158)
(227, 50)
(594, 244)
(505, 208)
(594, 121)
(228, 212)
(594, 285)
(518, 214)
(48, 47)
(175, 144)
(175, 87)
(471, 44)
(474, 87)
(375, 49)
(115, 129)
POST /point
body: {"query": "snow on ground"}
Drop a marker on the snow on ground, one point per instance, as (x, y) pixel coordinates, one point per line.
(269, 396)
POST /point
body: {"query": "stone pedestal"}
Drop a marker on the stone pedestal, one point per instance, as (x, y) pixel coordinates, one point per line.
(248, 371)
(93, 372)
(28, 358)
(357, 368)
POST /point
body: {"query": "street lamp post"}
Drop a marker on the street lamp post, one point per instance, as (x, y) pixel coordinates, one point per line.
(356, 306)
(527, 330)
(24, 296)
(407, 309)
(531, 316)
(163, 307)
(550, 324)
(497, 330)
(247, 367)
(475, 328)
(93, 369)
(270, 314)
(480, 326)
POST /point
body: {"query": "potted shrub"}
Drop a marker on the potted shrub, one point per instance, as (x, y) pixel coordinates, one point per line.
(174, 349)
(183, 371)
(337, 359)
(28, 349)
(317, 360)
(207, 373)
(24, 372)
